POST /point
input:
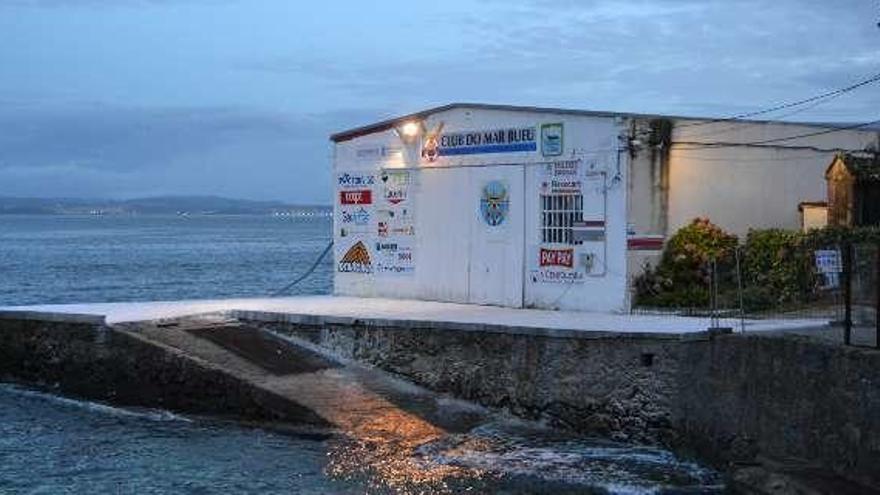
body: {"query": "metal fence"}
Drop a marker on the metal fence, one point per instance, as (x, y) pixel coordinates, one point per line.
(829, 291)
(861, 294)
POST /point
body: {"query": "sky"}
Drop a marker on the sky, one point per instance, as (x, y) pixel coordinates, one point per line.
(133, 98)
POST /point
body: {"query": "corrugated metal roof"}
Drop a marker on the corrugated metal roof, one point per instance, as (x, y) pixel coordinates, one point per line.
(391, 123)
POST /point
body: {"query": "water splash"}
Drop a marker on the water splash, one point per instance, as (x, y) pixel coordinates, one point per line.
(517, 450)
(94, 407)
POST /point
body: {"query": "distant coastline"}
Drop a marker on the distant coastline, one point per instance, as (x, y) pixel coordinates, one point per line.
(159, 205)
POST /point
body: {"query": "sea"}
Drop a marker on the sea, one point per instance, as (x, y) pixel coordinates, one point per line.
(51, 444)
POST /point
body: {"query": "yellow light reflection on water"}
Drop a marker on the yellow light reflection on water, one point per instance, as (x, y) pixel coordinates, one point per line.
(380, 442)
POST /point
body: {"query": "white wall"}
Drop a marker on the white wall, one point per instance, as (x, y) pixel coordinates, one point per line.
(741, 188)
(456, 255)
(814, 217)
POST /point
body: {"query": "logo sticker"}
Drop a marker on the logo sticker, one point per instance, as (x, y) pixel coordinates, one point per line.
(356, 260)
(359, 216)
(354, 180)
(431, 145)
(494, 203)
(395, 186)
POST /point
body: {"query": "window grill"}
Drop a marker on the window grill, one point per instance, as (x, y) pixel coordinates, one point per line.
(559, 212)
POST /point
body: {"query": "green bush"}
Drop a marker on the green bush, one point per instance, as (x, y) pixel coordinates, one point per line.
(777, 269)
(683, 276)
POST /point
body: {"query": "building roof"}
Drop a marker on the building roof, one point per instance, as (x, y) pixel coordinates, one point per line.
(392, 122)
(864, 168)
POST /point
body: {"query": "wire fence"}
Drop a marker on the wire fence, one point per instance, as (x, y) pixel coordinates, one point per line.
(829, 291)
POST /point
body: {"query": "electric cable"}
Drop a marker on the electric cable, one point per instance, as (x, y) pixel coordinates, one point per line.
(695, 145)
(830, 94)
(776, 119)
(307, 272)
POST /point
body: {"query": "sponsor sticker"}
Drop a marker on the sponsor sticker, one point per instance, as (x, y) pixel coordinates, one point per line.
(557, 276)
(395, 186)
(356, 259)
(355, 181)
(389, 229)
(356, 197)
(557, 257)
(394, 258)
(359, 216)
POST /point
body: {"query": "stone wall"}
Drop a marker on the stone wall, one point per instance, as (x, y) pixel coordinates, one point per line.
(734, 399)
(788, 399)
(613, 384)
(112, 365)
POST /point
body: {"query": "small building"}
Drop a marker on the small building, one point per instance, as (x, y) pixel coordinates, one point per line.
(854, 190)
(814, 215)
(554, 208)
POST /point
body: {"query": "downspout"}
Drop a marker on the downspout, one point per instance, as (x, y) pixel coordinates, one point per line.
(659, 141)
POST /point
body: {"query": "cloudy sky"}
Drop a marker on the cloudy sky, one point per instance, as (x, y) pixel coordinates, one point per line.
(124, 98)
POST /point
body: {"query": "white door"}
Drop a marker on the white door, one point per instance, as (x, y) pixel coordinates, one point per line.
(495, 272)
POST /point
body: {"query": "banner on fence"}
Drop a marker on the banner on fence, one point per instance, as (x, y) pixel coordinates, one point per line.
(828, 263)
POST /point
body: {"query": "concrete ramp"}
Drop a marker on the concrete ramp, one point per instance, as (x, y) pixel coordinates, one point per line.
(383, 420)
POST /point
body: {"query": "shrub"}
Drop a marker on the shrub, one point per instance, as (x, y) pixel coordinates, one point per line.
(777, 269)
(684, 274)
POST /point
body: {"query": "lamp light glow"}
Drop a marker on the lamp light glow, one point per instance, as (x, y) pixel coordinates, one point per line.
(410, 129)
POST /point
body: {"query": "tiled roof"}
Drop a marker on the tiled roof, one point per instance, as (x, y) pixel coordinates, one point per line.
(863, 167)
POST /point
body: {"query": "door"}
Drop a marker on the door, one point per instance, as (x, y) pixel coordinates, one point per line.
(495, 271)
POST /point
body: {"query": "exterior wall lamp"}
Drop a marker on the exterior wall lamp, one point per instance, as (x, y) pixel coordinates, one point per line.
(410, 131)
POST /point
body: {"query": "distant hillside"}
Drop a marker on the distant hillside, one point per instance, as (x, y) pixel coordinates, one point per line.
(163, 205)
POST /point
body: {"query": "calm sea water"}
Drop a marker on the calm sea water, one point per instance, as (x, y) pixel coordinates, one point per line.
(52, 444)
(70, 259)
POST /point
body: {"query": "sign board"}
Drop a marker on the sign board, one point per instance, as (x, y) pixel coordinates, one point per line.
(557, 257)
(510, 140)
(552, 139)
(828, 263)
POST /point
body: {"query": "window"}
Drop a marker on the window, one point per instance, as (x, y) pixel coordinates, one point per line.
(559, 212)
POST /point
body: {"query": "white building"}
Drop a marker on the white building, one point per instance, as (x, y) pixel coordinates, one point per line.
(552, 208)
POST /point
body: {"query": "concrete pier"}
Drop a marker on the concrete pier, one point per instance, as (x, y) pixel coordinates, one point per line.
(411, 312)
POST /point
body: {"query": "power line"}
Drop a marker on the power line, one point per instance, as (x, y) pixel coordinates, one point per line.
(831, 94)
(815, 154)
(699, 145)
(739, 159)
(778, 118)
(819, 133)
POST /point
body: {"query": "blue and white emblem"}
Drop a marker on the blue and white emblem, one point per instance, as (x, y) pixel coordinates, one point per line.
(494, 203)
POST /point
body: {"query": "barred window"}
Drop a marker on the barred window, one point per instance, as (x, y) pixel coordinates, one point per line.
(559, 212)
